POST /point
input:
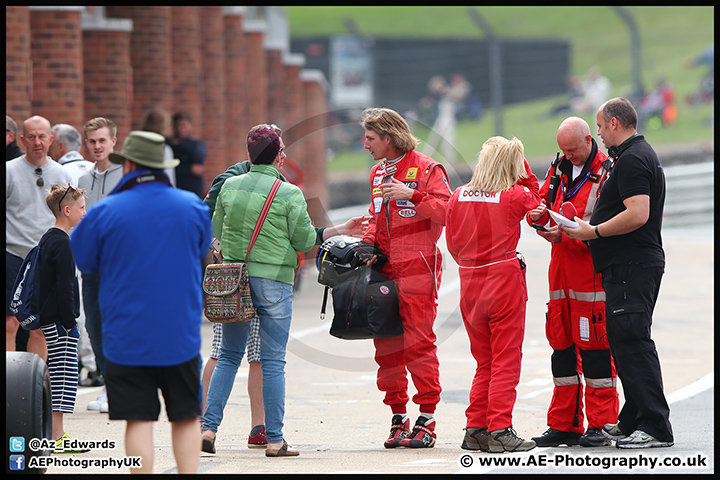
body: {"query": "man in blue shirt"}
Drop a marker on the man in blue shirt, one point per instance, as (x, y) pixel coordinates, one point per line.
(147, 241)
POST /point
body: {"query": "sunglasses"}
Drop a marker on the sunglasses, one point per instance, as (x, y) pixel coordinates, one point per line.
(40, 182)
(63, 197)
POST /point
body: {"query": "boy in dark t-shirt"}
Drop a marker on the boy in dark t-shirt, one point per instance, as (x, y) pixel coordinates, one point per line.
(60, 302)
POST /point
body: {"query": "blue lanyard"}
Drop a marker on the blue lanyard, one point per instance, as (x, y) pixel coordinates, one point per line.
(576, 188)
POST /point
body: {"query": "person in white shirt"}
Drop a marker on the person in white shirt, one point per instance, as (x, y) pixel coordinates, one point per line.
(65, 150)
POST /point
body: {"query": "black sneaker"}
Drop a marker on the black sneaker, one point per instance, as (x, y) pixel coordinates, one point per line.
(506, 440)
(594, 437)
(555, 438)
(475, 439)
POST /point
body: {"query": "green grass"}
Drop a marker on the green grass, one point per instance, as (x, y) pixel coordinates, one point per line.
(669, 36)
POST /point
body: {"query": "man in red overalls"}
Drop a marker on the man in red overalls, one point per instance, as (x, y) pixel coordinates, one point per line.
(575, 323)
(409, 194)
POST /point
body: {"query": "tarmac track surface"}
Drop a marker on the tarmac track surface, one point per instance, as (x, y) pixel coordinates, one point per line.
(336, 418)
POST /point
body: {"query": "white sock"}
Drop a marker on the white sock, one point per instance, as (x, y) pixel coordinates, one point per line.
(429, 416)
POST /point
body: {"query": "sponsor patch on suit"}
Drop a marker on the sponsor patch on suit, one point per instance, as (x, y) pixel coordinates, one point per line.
(377, 203)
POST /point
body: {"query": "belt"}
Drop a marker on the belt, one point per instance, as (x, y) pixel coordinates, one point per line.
(467, 263)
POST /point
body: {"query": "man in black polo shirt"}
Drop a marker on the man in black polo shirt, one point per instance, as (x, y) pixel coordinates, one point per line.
(626, 246)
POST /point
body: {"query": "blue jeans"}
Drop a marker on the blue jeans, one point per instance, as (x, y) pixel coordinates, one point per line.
(93, 319)
(273, 305)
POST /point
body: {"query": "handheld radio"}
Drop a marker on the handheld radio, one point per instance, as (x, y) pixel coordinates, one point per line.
(554, 184)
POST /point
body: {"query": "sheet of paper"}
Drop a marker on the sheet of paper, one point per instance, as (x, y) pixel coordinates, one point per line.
(561, 220)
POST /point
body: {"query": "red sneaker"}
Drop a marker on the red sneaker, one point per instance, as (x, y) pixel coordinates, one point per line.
(398, 431)
(257, 438)
(422, 435)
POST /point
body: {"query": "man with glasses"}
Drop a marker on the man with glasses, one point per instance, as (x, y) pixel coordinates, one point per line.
(27, 217)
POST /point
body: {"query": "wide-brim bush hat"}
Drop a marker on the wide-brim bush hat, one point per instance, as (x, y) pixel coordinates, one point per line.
(146, 149)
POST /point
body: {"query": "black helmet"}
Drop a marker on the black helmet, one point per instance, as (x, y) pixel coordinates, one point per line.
(340, 255)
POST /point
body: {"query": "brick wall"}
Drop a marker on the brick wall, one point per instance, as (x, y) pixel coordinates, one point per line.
(314, 138)
(122, 61)
(57, 64)
(17, 58)
(107, 73)
(275, 87)
(294, 108)
(256, 72)
(212, 128)
(187, 63)
(293, 104)
(237, 122)
(150, 58)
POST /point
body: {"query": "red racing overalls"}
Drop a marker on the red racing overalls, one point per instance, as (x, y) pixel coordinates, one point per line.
(575, 319)
(482, 232)
(407, 232)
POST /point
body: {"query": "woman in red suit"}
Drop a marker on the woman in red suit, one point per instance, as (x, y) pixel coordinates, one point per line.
(483, 229)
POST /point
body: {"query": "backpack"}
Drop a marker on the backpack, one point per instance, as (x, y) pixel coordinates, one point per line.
(26, 291)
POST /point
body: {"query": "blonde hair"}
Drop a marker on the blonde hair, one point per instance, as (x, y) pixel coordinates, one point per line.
(501, 164)
(99, 122)
(385, 121)
(59, 192)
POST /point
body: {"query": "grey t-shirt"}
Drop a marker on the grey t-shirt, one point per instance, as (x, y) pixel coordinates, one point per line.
(27, 216)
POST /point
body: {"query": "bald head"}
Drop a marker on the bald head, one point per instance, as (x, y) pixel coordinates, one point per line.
(36, 121)
(37, 139)
(575, 140)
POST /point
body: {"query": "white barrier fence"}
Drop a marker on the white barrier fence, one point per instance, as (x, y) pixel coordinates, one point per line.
(690, 197)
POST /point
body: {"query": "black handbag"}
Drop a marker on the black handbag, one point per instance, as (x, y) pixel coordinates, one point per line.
(365, 306)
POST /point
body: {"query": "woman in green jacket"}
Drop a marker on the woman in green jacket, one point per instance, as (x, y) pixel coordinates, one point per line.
(287, 230)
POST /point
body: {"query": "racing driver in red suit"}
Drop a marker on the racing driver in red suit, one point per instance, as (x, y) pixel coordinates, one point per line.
(575, 325)
(409, 194)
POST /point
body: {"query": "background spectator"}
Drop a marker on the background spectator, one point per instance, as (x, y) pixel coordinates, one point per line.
(191, 153)
(11, 148)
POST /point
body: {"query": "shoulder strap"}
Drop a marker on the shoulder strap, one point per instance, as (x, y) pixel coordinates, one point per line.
(263, 214)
